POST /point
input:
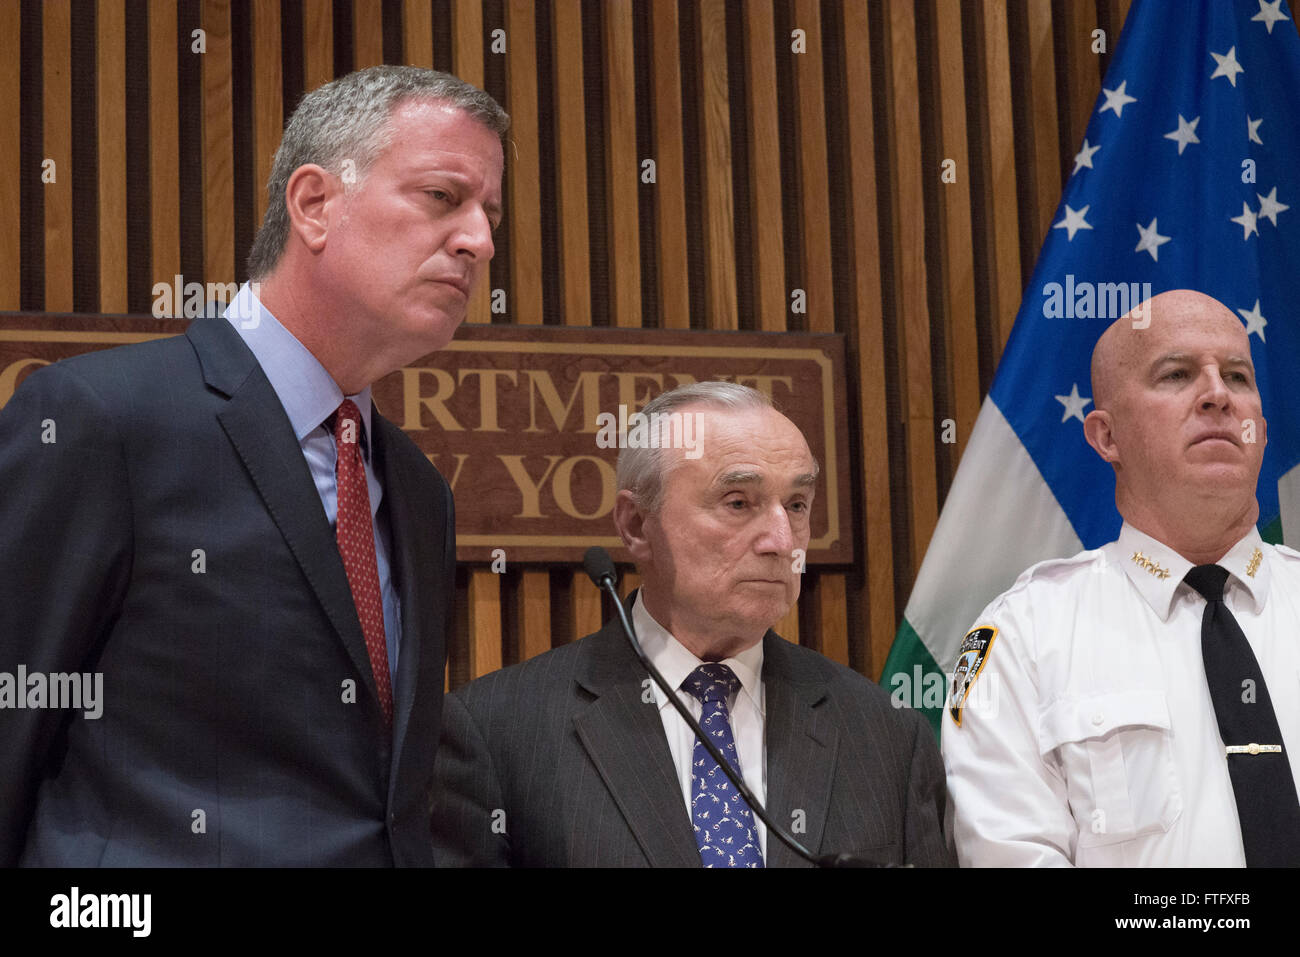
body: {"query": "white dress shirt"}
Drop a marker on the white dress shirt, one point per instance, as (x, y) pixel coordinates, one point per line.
(1090, 737)
(746, 708)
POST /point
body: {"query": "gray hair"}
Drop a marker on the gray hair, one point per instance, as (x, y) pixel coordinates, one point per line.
(642, 470)
(348, 119)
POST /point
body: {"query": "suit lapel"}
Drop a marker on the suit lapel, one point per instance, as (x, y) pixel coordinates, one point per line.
(258, 428)
(624, 737)
(411, 506)
(801, 749)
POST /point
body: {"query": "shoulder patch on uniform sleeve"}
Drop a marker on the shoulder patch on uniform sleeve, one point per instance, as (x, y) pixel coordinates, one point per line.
(972, 654)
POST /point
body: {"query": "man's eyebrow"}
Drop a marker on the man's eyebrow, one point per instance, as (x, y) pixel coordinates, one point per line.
(739, 477)
(748, 477)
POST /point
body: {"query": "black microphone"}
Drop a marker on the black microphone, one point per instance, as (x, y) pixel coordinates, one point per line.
(600, 569)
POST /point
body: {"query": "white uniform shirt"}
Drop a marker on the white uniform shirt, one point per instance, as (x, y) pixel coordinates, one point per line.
(1089, 737)
(746, 708)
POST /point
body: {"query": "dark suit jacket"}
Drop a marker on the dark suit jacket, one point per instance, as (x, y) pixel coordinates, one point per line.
(225, 736)
(560, 762)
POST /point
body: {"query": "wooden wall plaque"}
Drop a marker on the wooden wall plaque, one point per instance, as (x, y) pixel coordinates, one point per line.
(511, 416)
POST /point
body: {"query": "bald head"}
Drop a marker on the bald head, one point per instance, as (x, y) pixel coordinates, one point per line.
(1177, 414)
(1130, 344)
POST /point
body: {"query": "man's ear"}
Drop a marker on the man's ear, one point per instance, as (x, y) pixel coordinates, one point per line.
(308, 197)
(629, 519)
(1097, 429)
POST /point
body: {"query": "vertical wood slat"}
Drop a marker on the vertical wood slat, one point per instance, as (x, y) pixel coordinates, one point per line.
(1082, 73)
(762, 113)
(955, 225)
(268, 106)
(56, 62)
(876, 596)
(622, 165)
(788, 627)
(484, 622)
(10, 159)
(629, 583)
(832, 616)
(467, 63)
(535, 614)
(367, 33)
(670, 168)
(164, 144)
(715, 137)
(587, 614)
(525, 219)
(417, 33)
(1002, 204)
(1042, 104)
(110, 116)
(910, 279)
(218, 146)
(571, 161)
(815, 212)
(317, 43)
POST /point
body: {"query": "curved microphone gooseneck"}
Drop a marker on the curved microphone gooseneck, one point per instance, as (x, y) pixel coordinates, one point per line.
(600, 569)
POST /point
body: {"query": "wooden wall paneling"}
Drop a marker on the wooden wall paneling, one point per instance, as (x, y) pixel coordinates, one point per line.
(535, 613)
(417, 33)
(164, 144)
(955, 225)
(1046, 160)
(467, 63)
(522, 169)
(831, 607)
(218, 146)
(110, 116)
(628, 583)
(317, 44)
(622, 164)
(910, 277)
(587, 614)
(875, 598)
(670, 168)
(1081, 73)
(771, 297)
(56, 63)
(367, 33)
(1001, 202)
(485, 638)
(10, 158)
(814, 205)
(571, 161)
(715, 136)
(268, 95)
(815, 271)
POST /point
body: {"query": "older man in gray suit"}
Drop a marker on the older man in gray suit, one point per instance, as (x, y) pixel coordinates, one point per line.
(575, 758)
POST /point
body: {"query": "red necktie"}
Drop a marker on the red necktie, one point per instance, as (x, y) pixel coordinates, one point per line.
(357, 546)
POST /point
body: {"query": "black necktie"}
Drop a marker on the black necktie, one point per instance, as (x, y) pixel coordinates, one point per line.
(1258, 765)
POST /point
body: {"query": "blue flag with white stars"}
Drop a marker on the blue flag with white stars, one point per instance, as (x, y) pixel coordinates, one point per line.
(1185, 180)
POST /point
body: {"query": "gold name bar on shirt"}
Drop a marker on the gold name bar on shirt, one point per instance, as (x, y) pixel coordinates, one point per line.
(1253, 748)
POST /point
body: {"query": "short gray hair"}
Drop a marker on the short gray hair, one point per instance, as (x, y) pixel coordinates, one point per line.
(642, 470)
(348, 118)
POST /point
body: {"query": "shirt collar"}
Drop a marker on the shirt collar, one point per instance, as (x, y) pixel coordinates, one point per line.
(308, 393)
(1156, 570)
(675, 662)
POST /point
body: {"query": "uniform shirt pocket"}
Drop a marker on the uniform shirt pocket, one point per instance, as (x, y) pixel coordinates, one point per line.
(1116, 754)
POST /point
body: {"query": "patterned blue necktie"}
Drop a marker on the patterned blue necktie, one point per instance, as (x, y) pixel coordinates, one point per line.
(724, 823)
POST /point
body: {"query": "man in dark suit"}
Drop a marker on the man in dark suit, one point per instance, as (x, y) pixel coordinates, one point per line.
(575, 758)
(221, 529)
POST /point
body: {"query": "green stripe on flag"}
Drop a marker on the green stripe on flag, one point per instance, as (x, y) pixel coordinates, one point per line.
(906, 675)
(1272, 532)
